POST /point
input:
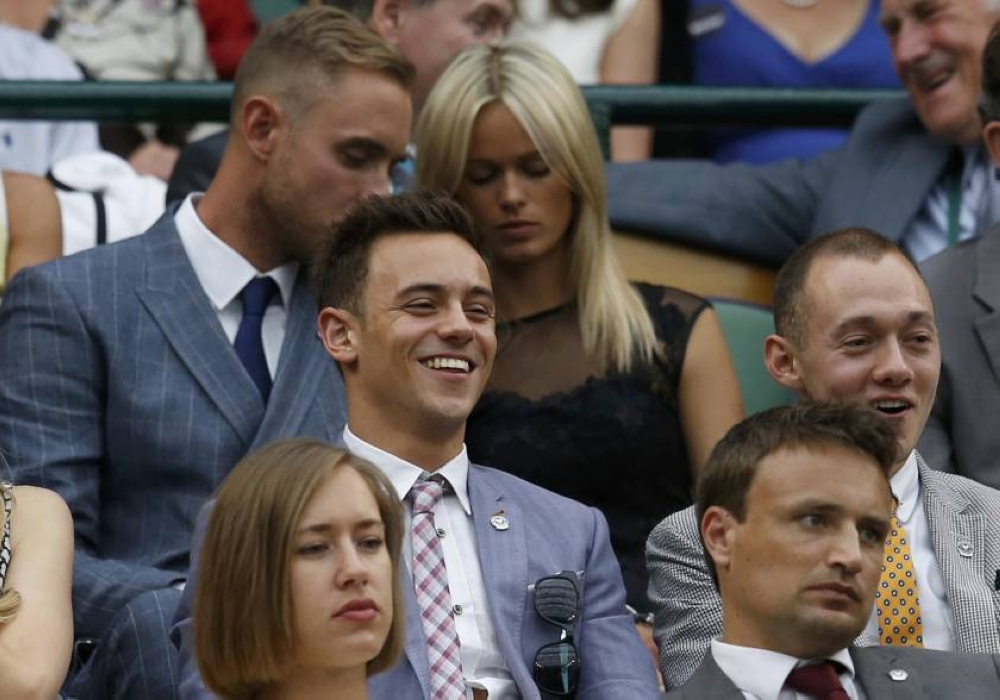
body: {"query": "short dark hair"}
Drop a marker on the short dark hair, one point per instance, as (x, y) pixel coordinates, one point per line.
(727, 476)
(291, 52)
(789, 304)
(340, 269)
(989, 95)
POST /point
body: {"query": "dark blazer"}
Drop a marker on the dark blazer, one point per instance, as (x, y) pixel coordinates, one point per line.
(880, 179)
(960, 513)
(119, 390)
(884, 673)
(961, 433)
(547, 534)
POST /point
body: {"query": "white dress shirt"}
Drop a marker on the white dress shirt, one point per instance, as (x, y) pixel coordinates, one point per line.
(223, 273)
(483, 665)
(938, 622)
(928, 233)
(760, 674)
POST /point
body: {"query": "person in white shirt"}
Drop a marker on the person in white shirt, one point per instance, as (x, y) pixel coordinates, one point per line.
(854, 323)
(408, 313)
(794, 508)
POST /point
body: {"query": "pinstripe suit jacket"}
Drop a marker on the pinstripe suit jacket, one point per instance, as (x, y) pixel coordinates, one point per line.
(929, 675)
(547, 534)
(120, 391)
(961, 514)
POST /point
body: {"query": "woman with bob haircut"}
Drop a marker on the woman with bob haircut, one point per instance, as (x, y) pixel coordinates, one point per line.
(298, 591)
(608, 392)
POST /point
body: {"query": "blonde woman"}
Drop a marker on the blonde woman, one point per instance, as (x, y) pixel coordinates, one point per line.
(298, 585)
(609, 392)
(36, 615)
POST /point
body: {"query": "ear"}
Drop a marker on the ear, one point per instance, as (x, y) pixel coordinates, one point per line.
(991, 136)
(335, 330)
(262, 121)
(782, 362)
(387, 18)
(718, 528)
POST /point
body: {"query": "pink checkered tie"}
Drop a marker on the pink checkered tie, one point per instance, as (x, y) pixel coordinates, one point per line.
(430, 578)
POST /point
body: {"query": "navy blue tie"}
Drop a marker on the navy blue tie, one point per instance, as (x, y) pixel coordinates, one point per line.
(249, 345)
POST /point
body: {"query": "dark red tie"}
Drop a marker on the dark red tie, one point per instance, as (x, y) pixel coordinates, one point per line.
(819, 681)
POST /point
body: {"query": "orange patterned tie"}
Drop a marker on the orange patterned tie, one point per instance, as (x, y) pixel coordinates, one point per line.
(898, 605)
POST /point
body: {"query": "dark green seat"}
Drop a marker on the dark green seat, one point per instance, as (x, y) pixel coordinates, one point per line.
(745, 326)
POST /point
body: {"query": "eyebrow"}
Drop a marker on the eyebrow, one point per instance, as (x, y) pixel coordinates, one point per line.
(864, 320)
(373, 146)
(320, 528)
(814, 505)
(438, 289)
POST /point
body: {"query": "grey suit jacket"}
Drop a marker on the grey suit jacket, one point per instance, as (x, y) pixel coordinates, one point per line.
(961, 434)
(547, 534)
(926, 675)
(961, 515)
(120, 391)
(880, 179)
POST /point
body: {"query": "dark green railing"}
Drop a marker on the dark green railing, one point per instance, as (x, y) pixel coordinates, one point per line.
(674, 105)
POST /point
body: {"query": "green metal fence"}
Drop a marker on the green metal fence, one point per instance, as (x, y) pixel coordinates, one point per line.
(661, 105)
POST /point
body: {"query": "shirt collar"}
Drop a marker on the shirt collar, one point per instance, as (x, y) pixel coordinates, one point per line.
(404, 475)
(222, 272)
(906, 488)
(762, 672)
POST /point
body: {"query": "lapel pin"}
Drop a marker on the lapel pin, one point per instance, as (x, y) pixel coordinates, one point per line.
(898, 674)
(499, 521)
(965, 548)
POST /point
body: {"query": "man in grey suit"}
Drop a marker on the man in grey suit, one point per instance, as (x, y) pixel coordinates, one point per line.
(964, 282)
(136, 375)
(794, 506)
(854, 323)
(912, 169)
(408, 314)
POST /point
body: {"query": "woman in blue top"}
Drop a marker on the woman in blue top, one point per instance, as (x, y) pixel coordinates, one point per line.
(786, 43)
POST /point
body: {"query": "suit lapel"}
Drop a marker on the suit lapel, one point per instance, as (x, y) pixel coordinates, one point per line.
(416, 644)
(174, 298)
(709, 681)
(303, 368)
(884, 676)
(923, 158)
(503, 559)
(986, 289)
(957, 536)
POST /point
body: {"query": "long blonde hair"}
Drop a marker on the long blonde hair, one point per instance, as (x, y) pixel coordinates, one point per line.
(539, 91)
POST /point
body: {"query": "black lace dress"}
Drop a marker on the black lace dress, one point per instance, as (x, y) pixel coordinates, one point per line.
(609, 440)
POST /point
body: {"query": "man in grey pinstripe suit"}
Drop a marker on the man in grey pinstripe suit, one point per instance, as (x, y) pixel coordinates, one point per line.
(854, 322)
(121, 387)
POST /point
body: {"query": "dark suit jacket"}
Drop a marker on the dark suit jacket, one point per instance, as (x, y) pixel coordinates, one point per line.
(119, 390)
(961, 434)
(880, 179)
(921, 674)
(196, 166)
(547, 534)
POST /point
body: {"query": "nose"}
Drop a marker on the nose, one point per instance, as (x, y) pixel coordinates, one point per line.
(455, 325)
(377, 182)
(512, 196)
(351, 568)
(846, 549)
(910, 45)
(892, 366)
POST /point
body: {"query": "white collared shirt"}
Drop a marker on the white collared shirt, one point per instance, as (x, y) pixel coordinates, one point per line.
(223, 273)
(483, 665)
(938, 622)
(760, 674)
(927, 234)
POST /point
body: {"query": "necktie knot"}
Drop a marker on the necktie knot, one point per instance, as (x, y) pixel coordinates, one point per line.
(817, 680)
(256, 296)
(426, 493)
